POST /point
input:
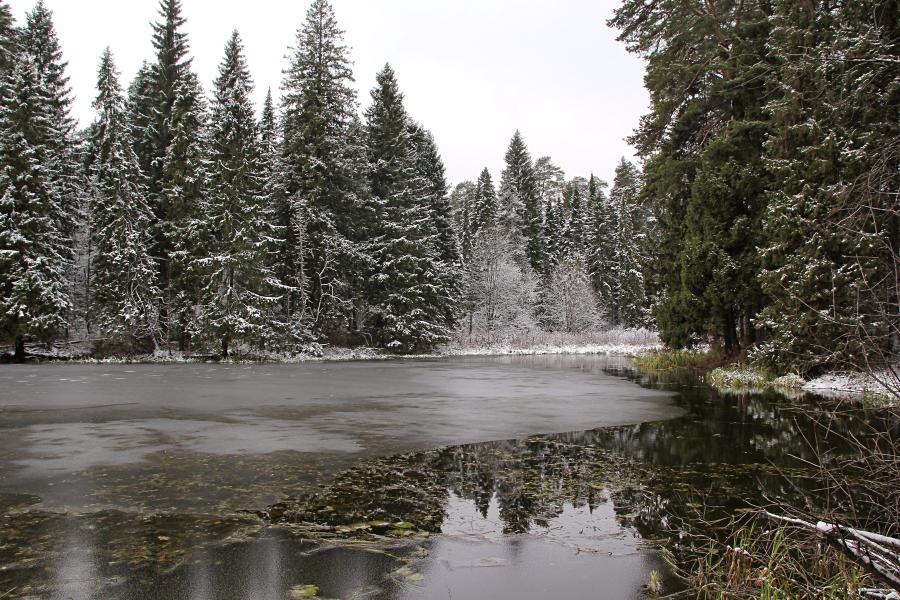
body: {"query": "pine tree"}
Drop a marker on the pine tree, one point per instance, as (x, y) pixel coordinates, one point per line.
(237, 302)
(323, 163)
(520, 212)
(408, 297)
(34, 296)
(486, 208)
(141, 117)
(41, 42)
(125, 299)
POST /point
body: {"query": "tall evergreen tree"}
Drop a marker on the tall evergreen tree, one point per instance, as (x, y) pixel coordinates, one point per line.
(323, 162)
(577, 223)
(125, 299)
(629, 298)
(237, 303)
(410, 302)
(554, 242)
(34, 296)
(703, 139)
(9, 40)
(486, 208)
(462, 200)
(601, 242)
(40, 42)
(181, 199)
(166, 108)
(430, 167)
(521, 212)
(832, 219)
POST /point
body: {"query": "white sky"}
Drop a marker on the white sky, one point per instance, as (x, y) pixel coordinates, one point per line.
(473, 71)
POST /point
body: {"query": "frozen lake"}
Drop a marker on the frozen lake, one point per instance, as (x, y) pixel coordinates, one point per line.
(104, 467)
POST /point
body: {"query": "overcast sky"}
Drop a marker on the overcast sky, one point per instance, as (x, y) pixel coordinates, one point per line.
(473, 71)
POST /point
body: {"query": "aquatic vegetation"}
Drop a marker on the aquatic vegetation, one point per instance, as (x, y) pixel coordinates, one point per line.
(666, 359)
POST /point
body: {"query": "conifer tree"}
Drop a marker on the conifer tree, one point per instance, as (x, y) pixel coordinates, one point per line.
(141, 118)
(601, 242)
(430, 167)
(576, 224)
(486, 208)
(34, 296)
(40, 42)
(553, 233)
(410, 302)
(9, 41)
(520, 211)
(323, 167)
(628, 297)
(125, 299)
(703, 140)
(832, 218)
(181, 199)
(166, 108)
(237, 303)
(462, 200)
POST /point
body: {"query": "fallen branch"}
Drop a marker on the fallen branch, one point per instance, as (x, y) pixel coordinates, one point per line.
(879, 554)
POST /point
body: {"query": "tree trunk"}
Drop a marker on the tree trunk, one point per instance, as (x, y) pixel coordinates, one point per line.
(19, 349)
(225, 347)
(730, 336)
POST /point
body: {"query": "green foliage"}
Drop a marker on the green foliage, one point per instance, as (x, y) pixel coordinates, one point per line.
(124, 296)
(34, 299)
(411, 299)
(238, 300)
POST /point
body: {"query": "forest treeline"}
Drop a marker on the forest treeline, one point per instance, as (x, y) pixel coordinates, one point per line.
(764, 219)
(181, 221)
(772, 166)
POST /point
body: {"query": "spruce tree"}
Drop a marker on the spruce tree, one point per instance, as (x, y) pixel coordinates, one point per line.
(576, 224)
(34, 296)
(125, 299)
(553, 234)
(485, 209)
(832, 219)
(9, 41)
(40, 42)
(181, 199)
(166, 108)
(323, 197)
(430, 167)
(703, 142)
(237, 302)
(462, 200)
(409, 299)
(520, 210)
(629, 297)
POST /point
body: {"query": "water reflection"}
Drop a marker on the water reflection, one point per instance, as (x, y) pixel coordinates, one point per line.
(544, 515)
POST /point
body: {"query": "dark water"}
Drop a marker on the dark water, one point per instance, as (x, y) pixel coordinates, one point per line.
(435, 479)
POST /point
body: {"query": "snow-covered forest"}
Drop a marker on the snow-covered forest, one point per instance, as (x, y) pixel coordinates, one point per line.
(178, 220)
(763, 219)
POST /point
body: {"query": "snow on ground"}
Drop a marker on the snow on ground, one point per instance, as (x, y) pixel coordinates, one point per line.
(842, 384)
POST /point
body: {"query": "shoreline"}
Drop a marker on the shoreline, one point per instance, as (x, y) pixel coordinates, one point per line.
(831, 385)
